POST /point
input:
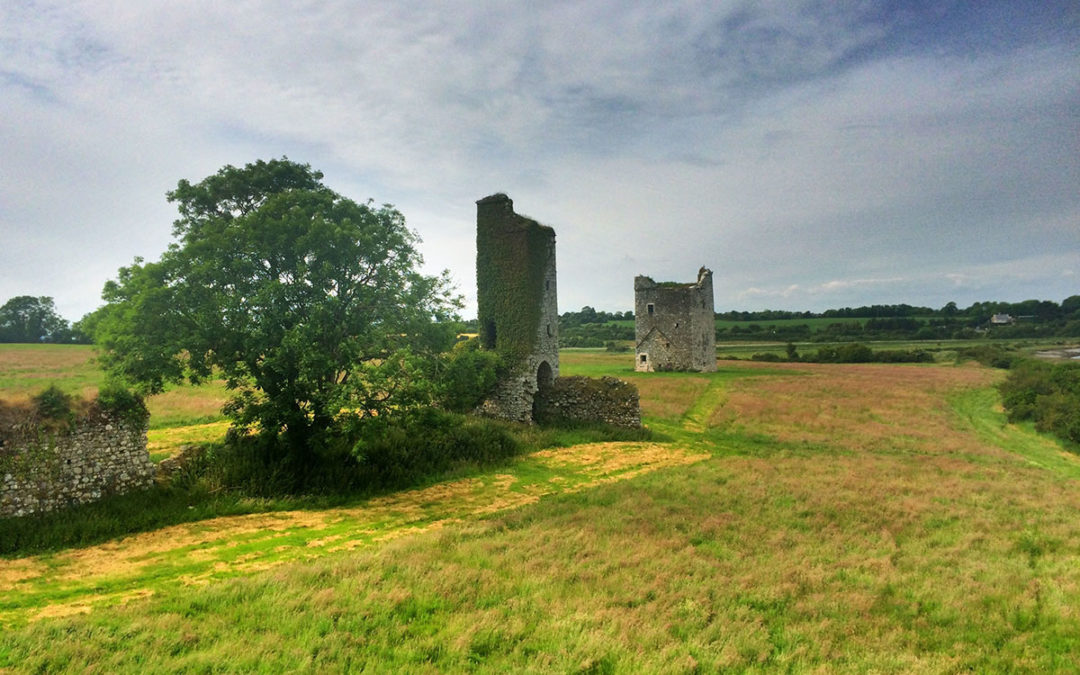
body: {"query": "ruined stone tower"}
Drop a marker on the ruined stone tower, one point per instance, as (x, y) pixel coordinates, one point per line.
(516, 304)
(674, 324)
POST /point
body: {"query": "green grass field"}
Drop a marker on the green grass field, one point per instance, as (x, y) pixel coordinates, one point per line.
(785, 517)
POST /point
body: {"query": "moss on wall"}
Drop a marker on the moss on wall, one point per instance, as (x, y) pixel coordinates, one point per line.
(512, 254)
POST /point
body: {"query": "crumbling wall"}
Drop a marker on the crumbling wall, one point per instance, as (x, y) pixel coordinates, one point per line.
(44, 469)
(517, 307)
(674, 324)
(607, 400)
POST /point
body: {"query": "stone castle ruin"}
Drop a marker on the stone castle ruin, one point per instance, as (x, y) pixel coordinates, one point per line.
(518, 316)
(516, 304)
(674, 325)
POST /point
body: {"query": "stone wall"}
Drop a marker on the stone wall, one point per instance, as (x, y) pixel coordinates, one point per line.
(43, 470)
(674, 325)
(607, 400)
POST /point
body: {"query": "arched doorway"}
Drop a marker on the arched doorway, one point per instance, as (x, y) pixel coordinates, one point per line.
(544, 380)
(544, 376)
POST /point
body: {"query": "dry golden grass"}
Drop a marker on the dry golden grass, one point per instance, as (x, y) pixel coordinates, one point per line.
(35, 360)
(856, 407)
(669, 398)
(282, 536)
(14, 571)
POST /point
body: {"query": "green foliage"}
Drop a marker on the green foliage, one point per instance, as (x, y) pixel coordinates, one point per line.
(467, 377)
(400, 451)
(26, 318)
(854, 352)
(123, 403)
(995, 356)
(510, 267)
(367, 456)
(1047, 394)
(594, 334)
(54, 405)
(308, 304)
(849, 353)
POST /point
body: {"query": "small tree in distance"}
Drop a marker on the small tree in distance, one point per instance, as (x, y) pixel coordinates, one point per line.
(309, 304)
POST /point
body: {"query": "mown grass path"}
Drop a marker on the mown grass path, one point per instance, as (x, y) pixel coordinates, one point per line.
(77, 581)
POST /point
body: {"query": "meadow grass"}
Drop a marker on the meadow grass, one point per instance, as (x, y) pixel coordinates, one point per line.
(28, 369)
(796, 517)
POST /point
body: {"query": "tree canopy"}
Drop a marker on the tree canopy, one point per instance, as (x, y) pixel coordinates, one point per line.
(26, 318)
(310, 305)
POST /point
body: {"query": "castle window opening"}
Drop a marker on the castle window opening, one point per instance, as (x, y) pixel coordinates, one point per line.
(651, 309)
(644, 358)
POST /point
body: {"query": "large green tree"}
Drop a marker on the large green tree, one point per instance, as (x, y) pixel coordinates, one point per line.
(26, 318)
(310, 305)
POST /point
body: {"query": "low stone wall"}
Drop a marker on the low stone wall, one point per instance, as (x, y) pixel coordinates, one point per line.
(606, 400)
(43, 470)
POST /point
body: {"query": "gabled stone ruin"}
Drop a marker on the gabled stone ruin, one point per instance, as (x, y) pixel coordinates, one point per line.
(674, 325)
(517, 309)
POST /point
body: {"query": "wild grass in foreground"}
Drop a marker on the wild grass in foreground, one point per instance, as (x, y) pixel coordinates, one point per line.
(238, 480)
(864, 518)
(744, 563)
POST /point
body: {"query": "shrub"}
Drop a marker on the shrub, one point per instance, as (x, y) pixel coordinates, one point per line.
(403, 450)
(468, 377)
(766, 356)
(1047, 394)
(854, 352)
(123, 403)
(53, 404)
(994, 356)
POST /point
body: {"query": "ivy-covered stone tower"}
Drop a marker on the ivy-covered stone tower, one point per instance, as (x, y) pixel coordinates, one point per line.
(516, 304)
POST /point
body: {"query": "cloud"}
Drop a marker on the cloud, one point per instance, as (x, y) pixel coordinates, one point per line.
(785, 145)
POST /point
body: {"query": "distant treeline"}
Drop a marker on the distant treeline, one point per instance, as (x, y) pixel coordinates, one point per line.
(979, 312)
(1030, 318)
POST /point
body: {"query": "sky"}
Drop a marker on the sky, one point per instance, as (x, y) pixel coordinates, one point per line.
(813, 154)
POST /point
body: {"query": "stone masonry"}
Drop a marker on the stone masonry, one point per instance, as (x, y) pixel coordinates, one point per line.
(607, 400)
(675, 327)
(42, 471)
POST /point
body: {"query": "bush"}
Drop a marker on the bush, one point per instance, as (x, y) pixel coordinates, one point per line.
(768, 357)
(854, 352)
(372, 454)
(54, 404)
(421, 444)
(123, 403)
(994, 356)
(1047, 394)
(468, 377)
